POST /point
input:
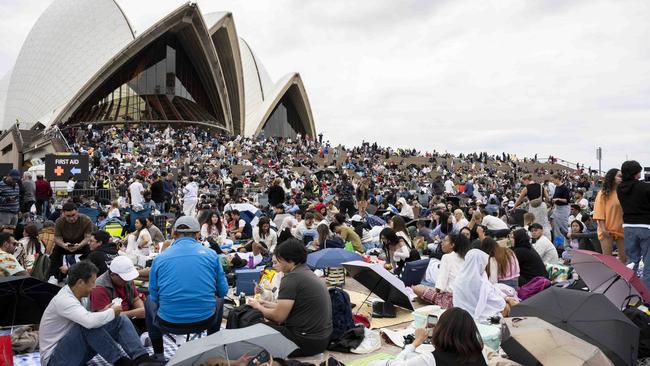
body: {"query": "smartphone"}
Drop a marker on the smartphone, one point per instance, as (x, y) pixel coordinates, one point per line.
(432, 320)
(260, 358)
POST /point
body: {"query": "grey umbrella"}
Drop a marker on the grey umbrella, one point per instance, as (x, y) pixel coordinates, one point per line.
(587, 315)
(232, 344)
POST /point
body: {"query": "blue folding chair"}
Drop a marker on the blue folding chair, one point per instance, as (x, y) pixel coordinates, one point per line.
(92, 213)
(133, 215)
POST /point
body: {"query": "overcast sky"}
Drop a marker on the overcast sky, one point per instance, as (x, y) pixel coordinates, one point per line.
(554, 77)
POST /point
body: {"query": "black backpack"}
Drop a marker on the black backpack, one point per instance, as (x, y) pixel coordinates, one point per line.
(341, 313)
(243, 316)
(641, 320)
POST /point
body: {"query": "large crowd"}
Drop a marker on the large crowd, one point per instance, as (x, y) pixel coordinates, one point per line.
(186, 207)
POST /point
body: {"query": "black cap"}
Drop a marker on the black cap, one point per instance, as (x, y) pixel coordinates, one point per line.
(535, 226)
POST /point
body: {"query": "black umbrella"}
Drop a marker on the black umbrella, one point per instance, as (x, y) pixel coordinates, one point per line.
(24, 299)
(379, 281)
(587, 315)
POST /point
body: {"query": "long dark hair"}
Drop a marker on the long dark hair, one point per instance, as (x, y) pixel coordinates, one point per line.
(32, 233)
(445, 227)
(521, 239)
(143, 223)
(264, 220)
(399, 224)
(457, 333)
(461, 244)
(609, 182)
(503, 256)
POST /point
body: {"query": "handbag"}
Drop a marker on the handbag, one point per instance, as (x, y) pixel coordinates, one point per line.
(538, 201)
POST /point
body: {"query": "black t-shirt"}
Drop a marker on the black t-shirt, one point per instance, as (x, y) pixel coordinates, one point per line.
(533, 191)
(158, 191)
(562, 192)
(530, 265)
(276, 195)
(634, 196)
(311, 314)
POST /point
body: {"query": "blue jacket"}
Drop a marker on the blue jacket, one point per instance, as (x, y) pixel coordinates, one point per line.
(184, 280)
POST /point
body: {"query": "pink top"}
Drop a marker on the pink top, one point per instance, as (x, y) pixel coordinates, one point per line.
(511, 273)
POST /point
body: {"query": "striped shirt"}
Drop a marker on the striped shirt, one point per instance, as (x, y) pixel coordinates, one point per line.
(9, 198)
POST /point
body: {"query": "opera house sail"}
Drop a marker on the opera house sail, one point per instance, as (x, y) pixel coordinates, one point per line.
(187, 68)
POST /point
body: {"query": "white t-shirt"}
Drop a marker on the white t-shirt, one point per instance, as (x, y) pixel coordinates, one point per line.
(449, 186)
(191, 191)
(494, 223)
(450, 266)
(136, 189)
(546, 250)
(583, 203)
(61, 314)
(115, 212)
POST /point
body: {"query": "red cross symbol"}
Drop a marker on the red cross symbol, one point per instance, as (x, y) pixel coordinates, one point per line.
(58, 171)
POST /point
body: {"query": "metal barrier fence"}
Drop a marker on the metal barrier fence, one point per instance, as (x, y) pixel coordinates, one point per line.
(97, 194)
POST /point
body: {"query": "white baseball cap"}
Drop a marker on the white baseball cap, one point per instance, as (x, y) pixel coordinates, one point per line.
(356, 218)
(123, 267)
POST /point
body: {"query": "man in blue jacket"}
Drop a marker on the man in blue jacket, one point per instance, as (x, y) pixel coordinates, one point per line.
(186, 287)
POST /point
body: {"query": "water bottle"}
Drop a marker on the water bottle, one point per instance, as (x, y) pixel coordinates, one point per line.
(251, 261)
(242, 298)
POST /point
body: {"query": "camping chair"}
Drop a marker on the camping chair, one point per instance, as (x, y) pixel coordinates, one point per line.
(92, 213)
(161, 223)
(516, 217)
(133, 215)
(414, 272)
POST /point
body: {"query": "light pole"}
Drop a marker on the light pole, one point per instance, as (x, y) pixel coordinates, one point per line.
(599, 156)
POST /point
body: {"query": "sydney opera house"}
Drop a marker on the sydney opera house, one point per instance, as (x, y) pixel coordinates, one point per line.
(82, 62)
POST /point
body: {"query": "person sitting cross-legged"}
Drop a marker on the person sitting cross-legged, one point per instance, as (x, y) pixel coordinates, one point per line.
(117, 282)
(186, 285)
(69, 334)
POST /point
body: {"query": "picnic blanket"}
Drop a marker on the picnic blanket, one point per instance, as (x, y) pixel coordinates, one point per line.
(34, 358)
(403, 315)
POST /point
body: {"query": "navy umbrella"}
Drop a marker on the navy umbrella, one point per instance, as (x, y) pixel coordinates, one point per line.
(331, 257)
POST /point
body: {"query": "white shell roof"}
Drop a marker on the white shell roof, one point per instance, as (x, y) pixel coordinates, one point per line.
(67, 45)
(257, 82)
(4, 85)
(212, 18)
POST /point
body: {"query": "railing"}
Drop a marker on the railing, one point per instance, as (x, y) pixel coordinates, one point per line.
(559, 161)
(58, 134)
(103, 194)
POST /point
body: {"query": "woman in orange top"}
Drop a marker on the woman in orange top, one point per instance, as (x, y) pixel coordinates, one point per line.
(609, 215)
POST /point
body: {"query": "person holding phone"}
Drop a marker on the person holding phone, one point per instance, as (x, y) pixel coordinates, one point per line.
(456, 340)
(71, 235)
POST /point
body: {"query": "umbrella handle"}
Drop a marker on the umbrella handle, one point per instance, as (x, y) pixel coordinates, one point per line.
(367, 297)
(626, 301)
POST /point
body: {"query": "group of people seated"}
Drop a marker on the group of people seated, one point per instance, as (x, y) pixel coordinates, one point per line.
(100, 310)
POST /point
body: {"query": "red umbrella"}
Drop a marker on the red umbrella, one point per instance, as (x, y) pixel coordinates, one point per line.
(605, 274)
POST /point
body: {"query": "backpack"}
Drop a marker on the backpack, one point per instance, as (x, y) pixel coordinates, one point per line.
(243, 316)
(341, 313)
(642, 320)
(533, 287)
(41, 267)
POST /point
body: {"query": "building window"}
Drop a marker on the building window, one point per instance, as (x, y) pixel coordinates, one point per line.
(160, 83)
(7, 149)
